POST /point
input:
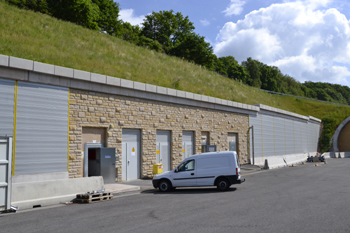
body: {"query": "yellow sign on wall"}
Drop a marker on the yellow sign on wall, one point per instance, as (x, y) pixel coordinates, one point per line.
(157, 151)
(183, 150)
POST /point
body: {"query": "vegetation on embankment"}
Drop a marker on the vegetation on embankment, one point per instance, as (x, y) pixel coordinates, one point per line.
(39, 37)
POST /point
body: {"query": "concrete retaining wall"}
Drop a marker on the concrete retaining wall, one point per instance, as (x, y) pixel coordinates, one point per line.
(52, 192)
(282, 161)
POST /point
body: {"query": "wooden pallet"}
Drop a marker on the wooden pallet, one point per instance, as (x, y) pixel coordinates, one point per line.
(88, 198)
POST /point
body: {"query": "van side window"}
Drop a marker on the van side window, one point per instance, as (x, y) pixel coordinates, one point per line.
(187, 166)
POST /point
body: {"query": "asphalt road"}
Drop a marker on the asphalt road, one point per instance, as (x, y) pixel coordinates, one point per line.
(305, 198)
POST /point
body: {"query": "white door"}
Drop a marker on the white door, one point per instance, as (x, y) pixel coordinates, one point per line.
(5, 172)
(131, 154)
(186, 174)
(187, 144)
(163, 149)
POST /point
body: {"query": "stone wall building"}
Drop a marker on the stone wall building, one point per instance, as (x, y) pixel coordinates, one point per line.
(61, 120)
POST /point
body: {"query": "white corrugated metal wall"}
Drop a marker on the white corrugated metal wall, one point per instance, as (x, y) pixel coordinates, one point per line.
(42, 129)
(7, 96)
(278, 135)
(41, 135)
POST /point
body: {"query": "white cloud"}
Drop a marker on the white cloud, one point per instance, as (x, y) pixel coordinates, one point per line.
(127, 15)
(205, 22)
(235, 8)
(302, 38)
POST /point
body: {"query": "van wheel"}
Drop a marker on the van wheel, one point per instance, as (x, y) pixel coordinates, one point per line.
(222, 184)
(164, 186)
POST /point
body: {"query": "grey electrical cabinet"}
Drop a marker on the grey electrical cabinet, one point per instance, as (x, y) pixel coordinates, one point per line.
(102, 163)
(208, 148)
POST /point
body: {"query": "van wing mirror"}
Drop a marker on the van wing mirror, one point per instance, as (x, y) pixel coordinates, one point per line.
(176, 169)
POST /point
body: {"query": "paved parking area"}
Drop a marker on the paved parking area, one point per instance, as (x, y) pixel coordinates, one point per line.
(305, 198)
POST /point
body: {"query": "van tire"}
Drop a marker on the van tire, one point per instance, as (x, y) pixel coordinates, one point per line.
(164, 186)
(223, 184)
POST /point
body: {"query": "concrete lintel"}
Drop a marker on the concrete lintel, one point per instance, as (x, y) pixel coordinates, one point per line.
(98, 78)
(171, 92)
(4, 60)
(151, 88)
(218, 101)
(20, 63)
(189, 95)
(36, 77)
(64, 72)
(126, 83)
(197, 97)
(15, 74)
(113, 81)
(205, 98)
(224, 102)
(161, 90)
(212, 100)
(44, 68)
(139, 86)
(180, 94)
(83, 75)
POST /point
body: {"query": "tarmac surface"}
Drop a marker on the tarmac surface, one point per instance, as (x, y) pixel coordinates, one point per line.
(143, 184)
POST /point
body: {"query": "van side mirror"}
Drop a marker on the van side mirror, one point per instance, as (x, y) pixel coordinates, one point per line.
(176, 170)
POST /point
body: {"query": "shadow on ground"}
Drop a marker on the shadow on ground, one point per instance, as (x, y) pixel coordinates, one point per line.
(178, 191)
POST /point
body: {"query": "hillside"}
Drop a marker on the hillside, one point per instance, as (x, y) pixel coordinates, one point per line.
(39, 37)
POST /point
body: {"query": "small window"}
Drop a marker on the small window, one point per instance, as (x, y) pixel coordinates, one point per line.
(186, 166)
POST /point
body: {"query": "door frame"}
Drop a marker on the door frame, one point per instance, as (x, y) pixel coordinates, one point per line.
(86, 155)
(8, 141)
(139, 155)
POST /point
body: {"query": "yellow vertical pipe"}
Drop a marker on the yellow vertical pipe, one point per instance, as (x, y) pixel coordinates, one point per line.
(68, 131)
(14, 130)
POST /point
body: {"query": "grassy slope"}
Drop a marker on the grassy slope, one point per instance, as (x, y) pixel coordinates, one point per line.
(38, 37)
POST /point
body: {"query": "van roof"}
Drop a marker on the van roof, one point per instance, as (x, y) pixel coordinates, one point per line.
(212, 154)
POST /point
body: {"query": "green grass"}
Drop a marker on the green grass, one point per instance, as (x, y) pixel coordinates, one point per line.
(39, 37)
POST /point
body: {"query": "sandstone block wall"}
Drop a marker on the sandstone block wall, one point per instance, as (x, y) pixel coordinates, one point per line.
(92, 109)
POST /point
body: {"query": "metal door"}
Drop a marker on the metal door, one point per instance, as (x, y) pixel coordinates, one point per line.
(163, 149)
(131, 154)
(107, 159)
(5, 172)
(187, 144)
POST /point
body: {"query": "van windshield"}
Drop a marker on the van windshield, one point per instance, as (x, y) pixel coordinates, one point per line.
(186, 166)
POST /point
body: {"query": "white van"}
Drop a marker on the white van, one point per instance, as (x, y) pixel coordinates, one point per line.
(220, 169)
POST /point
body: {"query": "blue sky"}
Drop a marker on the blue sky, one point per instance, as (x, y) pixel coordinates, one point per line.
(308, 40)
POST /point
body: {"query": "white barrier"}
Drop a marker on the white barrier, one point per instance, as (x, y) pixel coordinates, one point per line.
(283, 160)
(51, 192)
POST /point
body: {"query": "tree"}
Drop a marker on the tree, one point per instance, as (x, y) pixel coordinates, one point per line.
(129, 32)
(35, 5)
(232, 69)
(82, 12)
(254, 72)
(108, 17)
(167, 27)
(194, 48)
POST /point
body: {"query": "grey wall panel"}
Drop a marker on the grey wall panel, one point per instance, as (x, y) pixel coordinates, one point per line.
(256, 122)
(298, 137)
(280, 136)
(289, 136)
(42, 129)
(305, 137)
(268, 135)
(7, 96)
